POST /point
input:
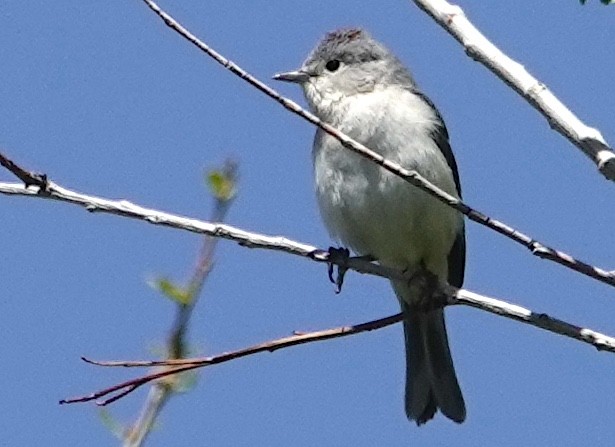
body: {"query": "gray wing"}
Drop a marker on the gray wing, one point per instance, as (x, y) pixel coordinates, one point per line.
(457, 255)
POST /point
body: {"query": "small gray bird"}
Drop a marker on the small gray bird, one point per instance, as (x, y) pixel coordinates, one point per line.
(354, 83)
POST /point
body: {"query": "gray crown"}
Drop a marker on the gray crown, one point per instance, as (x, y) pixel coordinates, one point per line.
(355, 46)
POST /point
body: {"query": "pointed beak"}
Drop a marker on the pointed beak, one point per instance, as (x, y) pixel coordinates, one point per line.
(298, 76)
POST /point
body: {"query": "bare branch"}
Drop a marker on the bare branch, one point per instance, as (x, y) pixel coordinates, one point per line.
(27, 177)
(244, 238)
(413, 177)
(187, 365)
(451, 296)
(127, 209)
(255, 240)
(162, 390)
(157, 397)
(478, 47)
(600, 341)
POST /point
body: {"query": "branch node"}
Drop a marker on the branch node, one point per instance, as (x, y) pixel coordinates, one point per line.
(29, 178)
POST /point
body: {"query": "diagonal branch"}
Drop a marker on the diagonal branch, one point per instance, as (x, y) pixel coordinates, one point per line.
(183, 365)
(162, 390)
(27, 177)
(255, 240)
(155, 217)
(412, 177)
(451, 296)
(478, 47)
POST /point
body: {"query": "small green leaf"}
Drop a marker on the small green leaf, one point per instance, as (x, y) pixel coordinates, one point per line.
(173, 291)
(221, 185)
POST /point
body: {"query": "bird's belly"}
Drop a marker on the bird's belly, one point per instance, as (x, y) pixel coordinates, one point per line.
(377, 214)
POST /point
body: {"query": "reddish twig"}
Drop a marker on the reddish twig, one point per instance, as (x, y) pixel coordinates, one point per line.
(129, 386)
(449, 295)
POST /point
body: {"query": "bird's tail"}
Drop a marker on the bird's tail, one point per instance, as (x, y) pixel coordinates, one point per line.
(431, 383)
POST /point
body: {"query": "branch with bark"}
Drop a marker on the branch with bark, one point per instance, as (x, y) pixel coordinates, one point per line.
(588, 139)
(94, 204)
(447, 295)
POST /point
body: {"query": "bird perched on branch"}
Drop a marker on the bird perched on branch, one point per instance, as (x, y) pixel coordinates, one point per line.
(356, 84)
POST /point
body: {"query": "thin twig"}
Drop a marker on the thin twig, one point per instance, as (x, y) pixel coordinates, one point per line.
(203, 266)
(268, 346)
(536, 248)
(452, 296)
(161, 391)
(157, 397)
(478, 47)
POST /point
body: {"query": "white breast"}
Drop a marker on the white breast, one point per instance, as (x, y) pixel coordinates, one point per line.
(369, 209)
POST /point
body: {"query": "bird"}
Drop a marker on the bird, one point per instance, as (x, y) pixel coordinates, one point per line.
(356, 84)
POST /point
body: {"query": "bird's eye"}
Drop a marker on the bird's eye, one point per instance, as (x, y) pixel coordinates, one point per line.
(332, 65)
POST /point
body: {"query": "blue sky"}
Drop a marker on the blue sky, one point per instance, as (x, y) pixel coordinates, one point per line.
(108, 101)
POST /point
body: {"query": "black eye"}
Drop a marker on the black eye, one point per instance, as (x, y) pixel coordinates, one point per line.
(333, 65)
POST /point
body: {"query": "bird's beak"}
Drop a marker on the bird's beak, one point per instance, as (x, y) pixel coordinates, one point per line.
(298, 76)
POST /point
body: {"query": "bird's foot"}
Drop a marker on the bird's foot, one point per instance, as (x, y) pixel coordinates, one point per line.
(428, 291)
(339, 257)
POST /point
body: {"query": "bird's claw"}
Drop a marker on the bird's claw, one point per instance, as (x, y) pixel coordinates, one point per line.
(338, 257)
